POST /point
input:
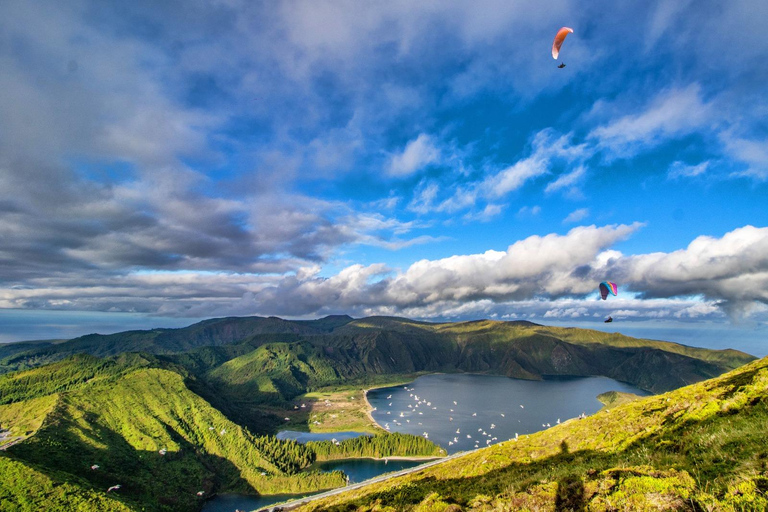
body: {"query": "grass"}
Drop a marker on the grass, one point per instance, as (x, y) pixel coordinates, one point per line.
(613, 399)
(24, 488)
(340, 408)
(701, 447)
(331, 411)
(148, 432)
(157, 439)
(166, 427)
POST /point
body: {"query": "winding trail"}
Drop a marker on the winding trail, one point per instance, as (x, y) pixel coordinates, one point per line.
(290, 505)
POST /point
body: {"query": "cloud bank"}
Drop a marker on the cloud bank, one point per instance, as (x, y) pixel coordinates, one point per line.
(552, 276)
(276, 158)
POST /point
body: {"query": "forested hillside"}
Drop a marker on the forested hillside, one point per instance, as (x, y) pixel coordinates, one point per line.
(88, 424)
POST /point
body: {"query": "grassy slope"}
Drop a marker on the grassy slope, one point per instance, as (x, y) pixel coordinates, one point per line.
(701, 447)
(612, 399)
(122, 424)
(276, 371)
(23, 488)
(23, 419)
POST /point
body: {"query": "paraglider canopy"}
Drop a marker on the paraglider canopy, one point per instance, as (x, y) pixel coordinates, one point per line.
(607, 287)
(558, 42)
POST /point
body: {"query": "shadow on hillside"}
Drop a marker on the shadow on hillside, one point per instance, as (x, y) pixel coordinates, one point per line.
(246, 409)
(570, 490)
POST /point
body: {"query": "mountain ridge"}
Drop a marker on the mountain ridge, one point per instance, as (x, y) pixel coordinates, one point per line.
(381, 344)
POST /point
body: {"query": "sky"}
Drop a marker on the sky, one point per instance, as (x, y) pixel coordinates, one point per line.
(166, 162)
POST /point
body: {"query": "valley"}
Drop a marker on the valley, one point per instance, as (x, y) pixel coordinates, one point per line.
(176, 416)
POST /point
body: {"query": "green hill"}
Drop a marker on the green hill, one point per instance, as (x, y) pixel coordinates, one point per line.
(251, 368)
(701, 447)
(389, 345)
(147, 432)
(214, 332)
(361, 349)
(189, 413)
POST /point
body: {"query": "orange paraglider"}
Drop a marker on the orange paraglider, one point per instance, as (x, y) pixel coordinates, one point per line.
(558, 42)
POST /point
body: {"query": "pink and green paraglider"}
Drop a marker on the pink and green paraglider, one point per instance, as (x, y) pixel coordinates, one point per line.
(607, 287)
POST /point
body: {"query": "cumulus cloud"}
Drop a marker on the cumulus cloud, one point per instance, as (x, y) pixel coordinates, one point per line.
(550, 276)
(732, 270)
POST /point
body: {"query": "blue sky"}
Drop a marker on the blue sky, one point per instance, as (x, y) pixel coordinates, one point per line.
(420, 159)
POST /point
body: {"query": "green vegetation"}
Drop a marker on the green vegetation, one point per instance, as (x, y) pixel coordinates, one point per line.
(701, 447)
(67, 375)
(192, 410)
(615, 398)
(25, 488)
(280, 359)
(378, 446)
(159, 441)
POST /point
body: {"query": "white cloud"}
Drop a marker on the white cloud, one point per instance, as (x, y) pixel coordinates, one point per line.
(529, 211)
(515, 176)
(424, 197)
(553, 276)
(547, 145)
(576, 216)
(567, 180)
(682, 170)
(417, 154)
(732, 270)
(489, 212)
(671, 114)
(754, 153)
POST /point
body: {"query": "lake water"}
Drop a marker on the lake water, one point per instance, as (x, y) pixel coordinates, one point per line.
(359, 470)
(462, 411)
(486, 407)
(232, 502)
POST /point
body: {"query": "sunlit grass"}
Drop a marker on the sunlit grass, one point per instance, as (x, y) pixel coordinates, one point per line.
(701, 447)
